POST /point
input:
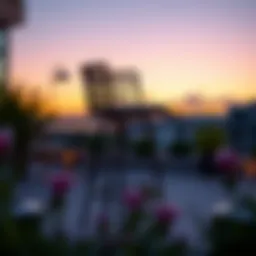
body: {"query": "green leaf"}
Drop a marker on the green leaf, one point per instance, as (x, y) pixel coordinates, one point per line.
(96, 144)
(85, 248)
(209, 138)
(145, 147)
(174, 249)
(180, 148)
(250, 204)
(135, 248)
(229, 236)
(23, 112)
(132, 221)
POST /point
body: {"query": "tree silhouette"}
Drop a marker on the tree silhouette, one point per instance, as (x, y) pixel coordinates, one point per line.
(26, 117)
(208, 140)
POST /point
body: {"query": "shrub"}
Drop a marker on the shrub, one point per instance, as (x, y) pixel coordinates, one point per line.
(234, 234)
(228, 164)
(145, 147)
(131, 239)
(180, 148)
(209, 138)
(96, 144)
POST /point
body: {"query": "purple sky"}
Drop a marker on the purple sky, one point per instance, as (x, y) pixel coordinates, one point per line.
(179, 46)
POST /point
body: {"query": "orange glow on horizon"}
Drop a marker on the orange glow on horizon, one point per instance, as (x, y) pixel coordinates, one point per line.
(68, 99)
(178, 51)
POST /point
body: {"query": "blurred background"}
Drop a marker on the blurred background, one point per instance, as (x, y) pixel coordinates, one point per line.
(117, 112)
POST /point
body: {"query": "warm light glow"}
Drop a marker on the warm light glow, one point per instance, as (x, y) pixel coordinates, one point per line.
(69, 157)
(178, 50)
(250, 167)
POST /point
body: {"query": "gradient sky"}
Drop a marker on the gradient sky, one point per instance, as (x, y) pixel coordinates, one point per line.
(180, 46)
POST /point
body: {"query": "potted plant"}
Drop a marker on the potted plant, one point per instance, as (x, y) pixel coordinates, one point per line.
(145, 148)
(180, 149)
(60, 184)
(229, 166)
(234, 233)
(141, 232)
(27, 119)
(208, 140)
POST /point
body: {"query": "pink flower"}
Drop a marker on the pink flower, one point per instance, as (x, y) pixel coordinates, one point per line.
(133, 199)
(103, 218)
(5, 143)
(227, 160)
(103, 222)
(61, 183)
(148, 192)
(81, 156)
(166, 214)
(127, 238)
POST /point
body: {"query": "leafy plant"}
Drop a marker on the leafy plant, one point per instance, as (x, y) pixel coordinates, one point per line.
(209, 138)
(25, 115)
(253, 151)
(22, 237)
(141, 233)
(230, 236)
(180, 148)
(145, 147)
(96, 144)
(249, 203)
(234, 234)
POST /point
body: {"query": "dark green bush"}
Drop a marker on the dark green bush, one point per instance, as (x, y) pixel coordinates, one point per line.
(22, 236)
(96, 144)
(145, 148)
(234, 235)
(209, 138)
(180, 148)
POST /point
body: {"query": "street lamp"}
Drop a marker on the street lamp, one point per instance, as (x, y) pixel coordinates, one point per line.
(61, 76)
(11, 15)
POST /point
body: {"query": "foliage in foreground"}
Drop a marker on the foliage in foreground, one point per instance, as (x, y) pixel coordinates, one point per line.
(234, 234)
(180, 148)
(23, 113)
(22, 236)
(209, 138)
(145, 147)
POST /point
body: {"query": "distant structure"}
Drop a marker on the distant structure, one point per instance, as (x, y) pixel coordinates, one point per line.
(128, 87)
(241, 127)
(11, 15)
(98, 78)
(109, 88)
(116, 94)
(188, 126)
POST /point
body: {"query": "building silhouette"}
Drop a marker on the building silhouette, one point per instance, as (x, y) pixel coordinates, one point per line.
(11, 15)
(98, 82)
(116, 95)
(108, 88)
(128, 87)
(241, 127)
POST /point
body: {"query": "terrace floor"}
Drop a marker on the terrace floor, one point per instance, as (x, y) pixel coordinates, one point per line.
(195, 198)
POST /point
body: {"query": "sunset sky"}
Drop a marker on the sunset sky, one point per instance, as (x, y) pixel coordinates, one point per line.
(180, 46)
